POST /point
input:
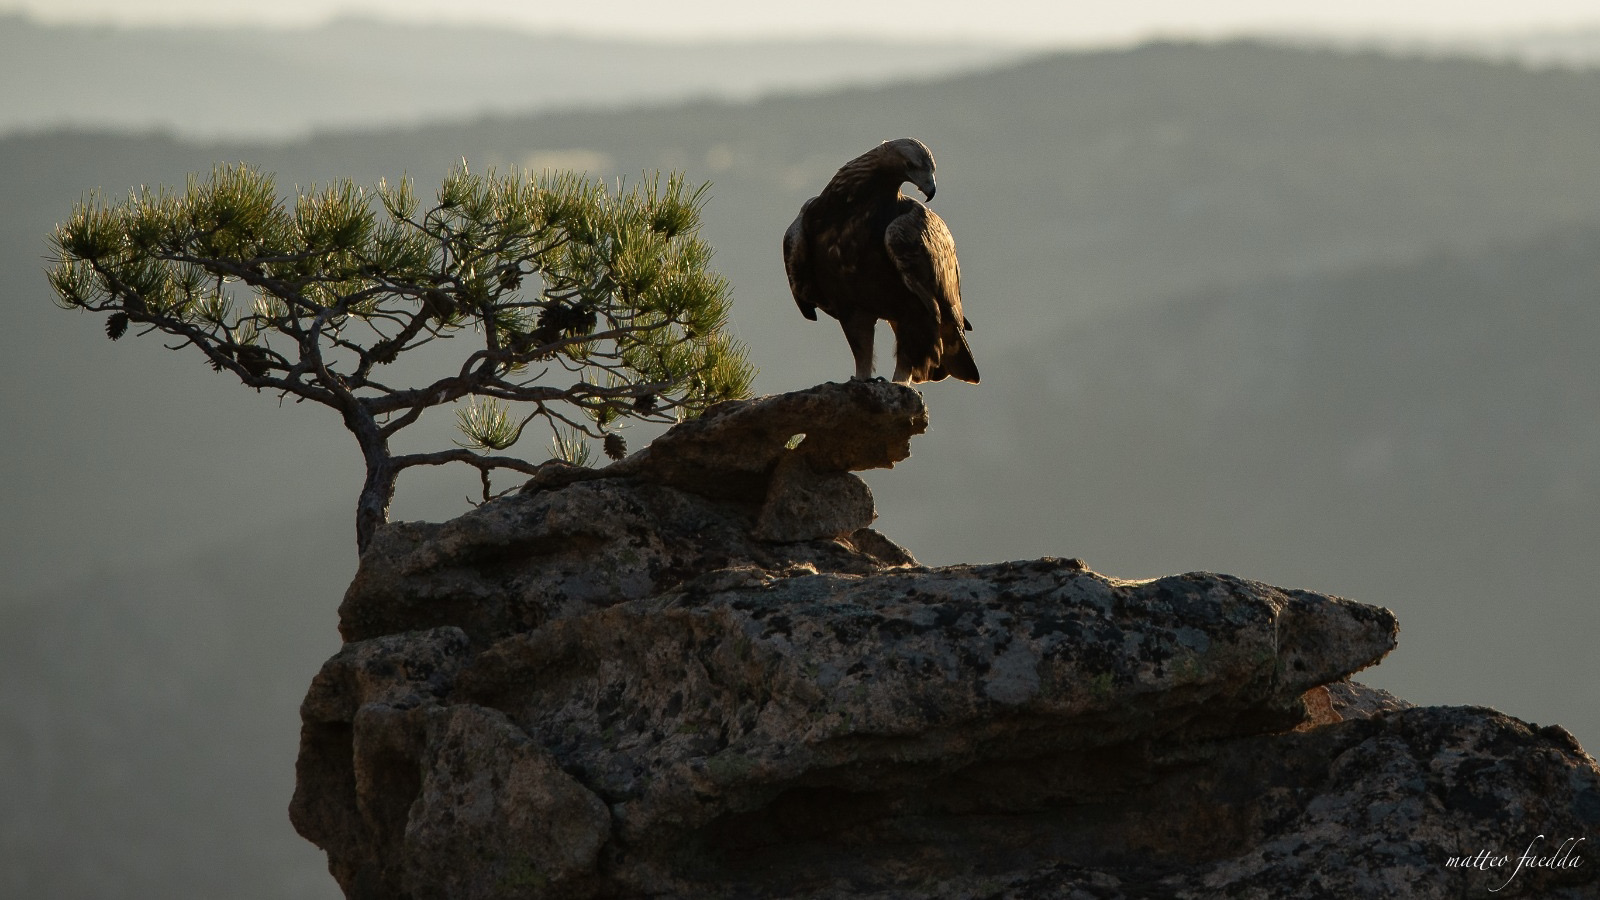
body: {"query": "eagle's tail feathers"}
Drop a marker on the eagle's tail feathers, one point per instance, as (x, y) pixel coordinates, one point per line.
(957, 358)
(961, 365)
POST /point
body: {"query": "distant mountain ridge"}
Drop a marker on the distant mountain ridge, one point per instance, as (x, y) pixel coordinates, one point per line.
(276, 83)
(1573, 48)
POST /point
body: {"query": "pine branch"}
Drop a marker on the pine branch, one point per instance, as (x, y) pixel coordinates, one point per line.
(612, 288)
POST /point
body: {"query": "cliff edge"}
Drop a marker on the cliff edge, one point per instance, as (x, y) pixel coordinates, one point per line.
(699, 673)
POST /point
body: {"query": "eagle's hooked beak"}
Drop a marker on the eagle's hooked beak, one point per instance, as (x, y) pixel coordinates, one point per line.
(926, 186)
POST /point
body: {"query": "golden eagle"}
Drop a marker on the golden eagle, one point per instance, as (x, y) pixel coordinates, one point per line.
(861, 251)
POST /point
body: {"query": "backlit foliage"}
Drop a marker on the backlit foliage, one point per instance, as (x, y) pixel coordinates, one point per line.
(571, 303)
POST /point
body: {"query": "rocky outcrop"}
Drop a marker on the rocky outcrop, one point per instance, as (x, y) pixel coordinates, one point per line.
(762, 484)
(698, 673)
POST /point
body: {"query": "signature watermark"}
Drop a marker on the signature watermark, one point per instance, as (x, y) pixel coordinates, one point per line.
(1541, 854)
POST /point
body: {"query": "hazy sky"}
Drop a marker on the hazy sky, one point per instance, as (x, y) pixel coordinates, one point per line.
(1013, 20)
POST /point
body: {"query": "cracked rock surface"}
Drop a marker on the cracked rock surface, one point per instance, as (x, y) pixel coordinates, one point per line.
(699, 673)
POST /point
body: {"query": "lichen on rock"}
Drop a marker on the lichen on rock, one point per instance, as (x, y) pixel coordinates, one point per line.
(699, 673)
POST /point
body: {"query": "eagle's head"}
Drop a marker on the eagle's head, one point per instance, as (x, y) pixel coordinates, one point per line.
(917, 160)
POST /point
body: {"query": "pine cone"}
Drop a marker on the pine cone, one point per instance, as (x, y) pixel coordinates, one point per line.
(254, 360)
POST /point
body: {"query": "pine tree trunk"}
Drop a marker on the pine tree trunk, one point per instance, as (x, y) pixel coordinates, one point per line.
(372, 507)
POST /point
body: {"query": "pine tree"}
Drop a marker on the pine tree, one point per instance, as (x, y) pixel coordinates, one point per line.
(538, 279)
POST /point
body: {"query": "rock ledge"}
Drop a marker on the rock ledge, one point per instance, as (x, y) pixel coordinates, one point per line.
(699, 673)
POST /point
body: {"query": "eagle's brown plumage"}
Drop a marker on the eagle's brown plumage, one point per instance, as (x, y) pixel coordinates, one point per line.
(861, 251)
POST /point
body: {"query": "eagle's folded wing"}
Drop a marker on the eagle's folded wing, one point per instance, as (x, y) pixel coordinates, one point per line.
(925, 253)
